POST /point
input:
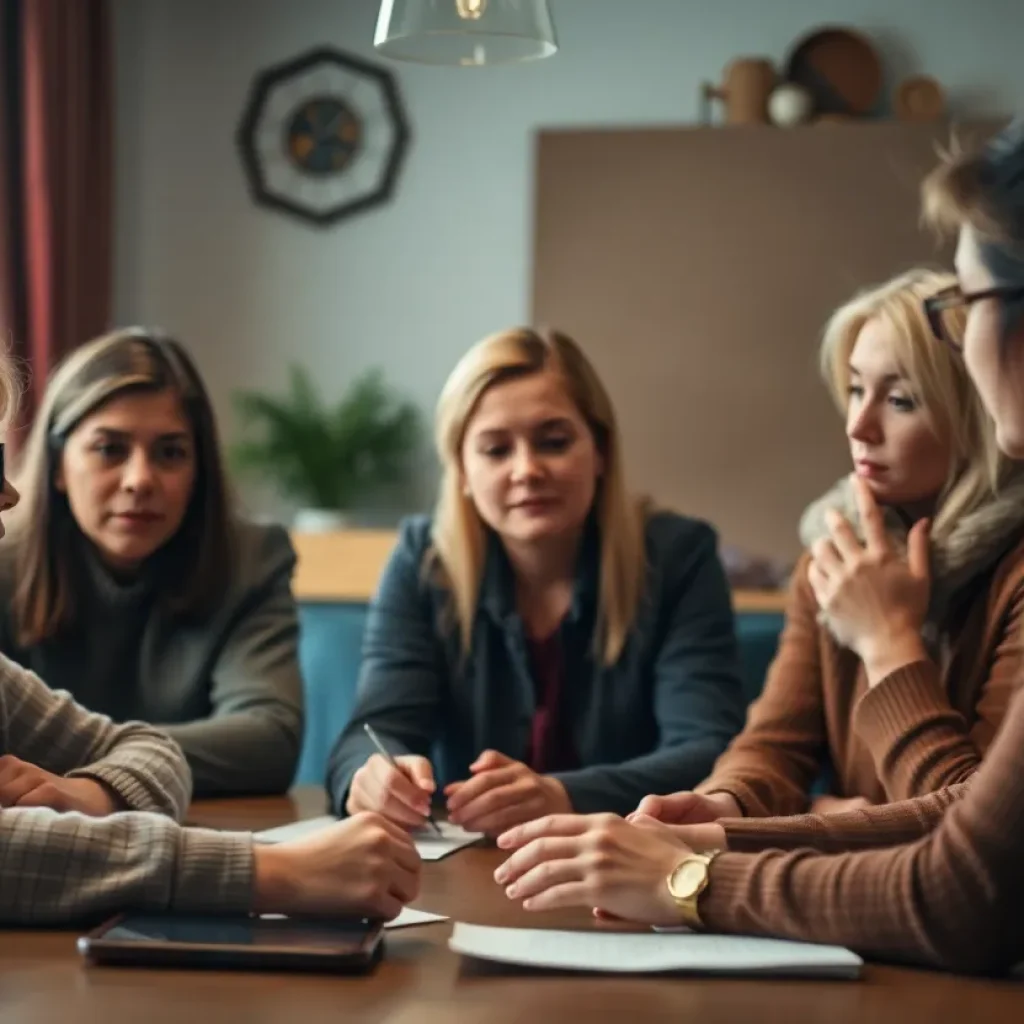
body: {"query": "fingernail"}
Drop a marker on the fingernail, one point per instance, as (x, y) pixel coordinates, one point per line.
(511, 891)
(504, 841)
(500, 875)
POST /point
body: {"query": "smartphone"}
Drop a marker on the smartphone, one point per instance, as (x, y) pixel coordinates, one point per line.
(269, 942)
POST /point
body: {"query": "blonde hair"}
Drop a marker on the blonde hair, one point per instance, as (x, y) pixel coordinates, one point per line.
(10, 390)
(44, 532)
(459, 538)
(939, 380)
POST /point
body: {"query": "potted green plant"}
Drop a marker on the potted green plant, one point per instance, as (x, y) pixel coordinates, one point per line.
(322, 456)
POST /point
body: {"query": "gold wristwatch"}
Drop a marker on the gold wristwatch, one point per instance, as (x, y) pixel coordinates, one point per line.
(688, 879)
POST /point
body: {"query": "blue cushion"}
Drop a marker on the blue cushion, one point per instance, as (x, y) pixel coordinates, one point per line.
(758, 636)
(330, 641)
(331, 637)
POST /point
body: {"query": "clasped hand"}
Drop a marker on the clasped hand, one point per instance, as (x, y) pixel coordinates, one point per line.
(500, 792)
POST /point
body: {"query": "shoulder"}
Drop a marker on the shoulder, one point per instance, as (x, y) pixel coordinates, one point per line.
(406, 564)
(669, 535)
(263, 552)
(415, 535)
(1006, 590)
(682, 561)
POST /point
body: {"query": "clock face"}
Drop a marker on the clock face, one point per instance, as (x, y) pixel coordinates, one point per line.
(323, 136)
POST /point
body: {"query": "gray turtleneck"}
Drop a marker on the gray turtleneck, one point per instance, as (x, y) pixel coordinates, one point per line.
(228, 688)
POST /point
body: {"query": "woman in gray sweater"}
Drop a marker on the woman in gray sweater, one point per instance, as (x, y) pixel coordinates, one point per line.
(89, 812)
(129, 581)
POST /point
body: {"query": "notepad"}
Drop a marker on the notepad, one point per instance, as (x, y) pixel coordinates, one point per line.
(653, 952)
(429, 844)
(409, 917)
(432, 846)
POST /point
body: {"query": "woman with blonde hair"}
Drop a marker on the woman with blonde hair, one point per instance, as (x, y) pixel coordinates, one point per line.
(924, 450)
(570, 648)
(935, 879)
(131, 581)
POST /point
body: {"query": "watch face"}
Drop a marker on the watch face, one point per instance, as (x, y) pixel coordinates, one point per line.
(688, 878)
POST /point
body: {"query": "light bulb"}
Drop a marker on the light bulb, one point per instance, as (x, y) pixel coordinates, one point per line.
(471, 10)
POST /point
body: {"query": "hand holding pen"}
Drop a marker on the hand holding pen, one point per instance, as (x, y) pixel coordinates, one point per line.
(399, 788)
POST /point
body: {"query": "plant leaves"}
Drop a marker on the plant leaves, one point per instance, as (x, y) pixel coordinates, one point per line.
(324, 456)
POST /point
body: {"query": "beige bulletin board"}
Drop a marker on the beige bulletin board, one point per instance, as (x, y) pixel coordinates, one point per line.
(698, 267)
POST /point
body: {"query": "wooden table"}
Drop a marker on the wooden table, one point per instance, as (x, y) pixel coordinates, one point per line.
(43, 981)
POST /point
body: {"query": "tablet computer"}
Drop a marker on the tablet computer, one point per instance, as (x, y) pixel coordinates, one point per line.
(224, 943)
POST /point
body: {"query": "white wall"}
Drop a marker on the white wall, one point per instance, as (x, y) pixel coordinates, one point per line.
(410, 285)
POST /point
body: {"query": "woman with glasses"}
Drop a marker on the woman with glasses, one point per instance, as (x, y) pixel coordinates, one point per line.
(936, 879)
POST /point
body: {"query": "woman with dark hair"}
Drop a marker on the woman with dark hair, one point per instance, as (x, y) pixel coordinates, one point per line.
(65, 855)
(131, 582)
(933, 880)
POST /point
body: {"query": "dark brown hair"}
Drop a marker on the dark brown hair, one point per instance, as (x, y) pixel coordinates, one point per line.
(44, 531)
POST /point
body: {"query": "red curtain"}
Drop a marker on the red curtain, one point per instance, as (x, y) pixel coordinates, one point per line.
(56, 180)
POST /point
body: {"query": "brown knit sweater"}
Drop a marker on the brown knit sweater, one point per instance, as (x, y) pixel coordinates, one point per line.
(908, 736)
(953, 898)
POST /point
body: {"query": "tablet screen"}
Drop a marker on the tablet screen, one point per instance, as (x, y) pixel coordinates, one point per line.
(268, 932)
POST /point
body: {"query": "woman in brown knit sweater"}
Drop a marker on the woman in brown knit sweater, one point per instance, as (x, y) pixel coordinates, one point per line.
(936, 879)
(921, 446)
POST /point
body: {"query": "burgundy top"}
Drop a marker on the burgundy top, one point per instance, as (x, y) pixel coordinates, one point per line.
(551, 747)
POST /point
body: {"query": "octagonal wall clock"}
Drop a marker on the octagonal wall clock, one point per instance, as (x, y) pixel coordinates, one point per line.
(323, 136)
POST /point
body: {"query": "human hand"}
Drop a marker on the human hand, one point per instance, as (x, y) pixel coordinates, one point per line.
(874, 598)
(502, 793)
(699, 838)
(689, 808)
(597, 861)
(23, 784)
(401, 794)
(828, 804)
(365, 865)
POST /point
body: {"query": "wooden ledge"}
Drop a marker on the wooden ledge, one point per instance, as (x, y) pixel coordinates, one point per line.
(345, 565)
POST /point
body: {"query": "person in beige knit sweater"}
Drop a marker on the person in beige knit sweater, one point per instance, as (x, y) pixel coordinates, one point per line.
(934, 879)
(89, 814)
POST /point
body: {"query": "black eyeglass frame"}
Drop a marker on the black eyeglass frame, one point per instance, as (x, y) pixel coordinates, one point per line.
(953, 296)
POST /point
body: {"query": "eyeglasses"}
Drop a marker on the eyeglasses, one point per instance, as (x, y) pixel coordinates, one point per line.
(941, 308)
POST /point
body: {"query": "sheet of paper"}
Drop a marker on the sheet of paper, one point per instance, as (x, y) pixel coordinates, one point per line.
(296, 830)
(430, 845)
(409, 917)
(649, 952)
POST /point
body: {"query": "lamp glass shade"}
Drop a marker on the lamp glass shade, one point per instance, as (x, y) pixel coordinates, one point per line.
(465, 33)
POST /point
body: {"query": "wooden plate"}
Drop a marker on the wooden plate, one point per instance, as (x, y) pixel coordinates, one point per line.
(919, 98)
(841, 69)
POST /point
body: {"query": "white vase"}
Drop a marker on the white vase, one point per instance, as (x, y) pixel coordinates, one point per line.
(320, 520)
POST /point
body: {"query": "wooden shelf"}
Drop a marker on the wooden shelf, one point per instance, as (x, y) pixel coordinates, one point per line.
(345, 565)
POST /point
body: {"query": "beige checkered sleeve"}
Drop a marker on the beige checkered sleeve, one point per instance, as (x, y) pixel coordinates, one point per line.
(59, 867)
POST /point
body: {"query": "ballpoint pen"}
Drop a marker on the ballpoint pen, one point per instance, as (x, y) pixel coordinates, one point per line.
(386, 754)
